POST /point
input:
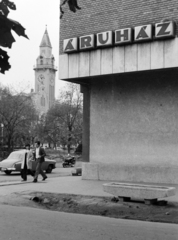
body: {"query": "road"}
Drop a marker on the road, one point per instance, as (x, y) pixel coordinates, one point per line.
(19, 223)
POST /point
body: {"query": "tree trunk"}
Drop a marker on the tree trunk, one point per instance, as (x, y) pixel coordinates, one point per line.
(9, 143)
(69, 139)
(68, 144)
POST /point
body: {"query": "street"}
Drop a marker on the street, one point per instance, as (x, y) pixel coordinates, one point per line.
(19, 223)
(15, 176)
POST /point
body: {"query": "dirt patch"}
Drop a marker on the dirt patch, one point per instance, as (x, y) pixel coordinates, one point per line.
(103, 206)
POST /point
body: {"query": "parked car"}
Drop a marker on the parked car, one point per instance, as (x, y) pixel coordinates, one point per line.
(14, 160)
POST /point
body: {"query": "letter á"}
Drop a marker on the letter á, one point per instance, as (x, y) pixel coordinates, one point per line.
(69, 45)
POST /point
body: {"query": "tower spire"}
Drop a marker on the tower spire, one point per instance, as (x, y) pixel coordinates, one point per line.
(45, 46)
(45, 42)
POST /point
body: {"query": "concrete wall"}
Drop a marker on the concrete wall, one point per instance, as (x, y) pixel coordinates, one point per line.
(123, 59)
(130, 173)
(134, 128)
(86, 124)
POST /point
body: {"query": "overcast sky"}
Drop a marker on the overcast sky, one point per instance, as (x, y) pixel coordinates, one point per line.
(33, 15)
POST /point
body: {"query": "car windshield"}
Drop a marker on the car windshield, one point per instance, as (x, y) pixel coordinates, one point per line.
(15, 155)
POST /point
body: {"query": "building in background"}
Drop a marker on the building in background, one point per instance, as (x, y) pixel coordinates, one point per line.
(45, 73)
(125, 57)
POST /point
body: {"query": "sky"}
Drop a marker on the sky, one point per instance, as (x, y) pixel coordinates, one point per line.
(33, 15)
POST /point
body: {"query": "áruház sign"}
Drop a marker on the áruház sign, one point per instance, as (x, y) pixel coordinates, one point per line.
(137, 34)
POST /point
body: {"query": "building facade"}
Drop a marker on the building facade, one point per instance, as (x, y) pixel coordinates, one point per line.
(124, 54)
(45, 73)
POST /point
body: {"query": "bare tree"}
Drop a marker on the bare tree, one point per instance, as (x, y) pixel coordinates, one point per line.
(17, 112)
(71, 109)
(64, 119)
(54, 128)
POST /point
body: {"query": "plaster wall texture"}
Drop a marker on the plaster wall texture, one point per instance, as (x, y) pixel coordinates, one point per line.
(134, 128)
(130, 172)
(135, 119)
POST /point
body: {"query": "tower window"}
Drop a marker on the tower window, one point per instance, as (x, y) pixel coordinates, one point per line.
(53, 93)
(42, 101)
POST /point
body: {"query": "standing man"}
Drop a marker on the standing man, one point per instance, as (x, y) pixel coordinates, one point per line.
(26, 165)
(40, 157)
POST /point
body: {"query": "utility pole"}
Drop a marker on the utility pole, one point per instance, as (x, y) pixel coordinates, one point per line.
(2, 128)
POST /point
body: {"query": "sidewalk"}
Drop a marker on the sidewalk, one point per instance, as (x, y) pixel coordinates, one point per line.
(67, 185)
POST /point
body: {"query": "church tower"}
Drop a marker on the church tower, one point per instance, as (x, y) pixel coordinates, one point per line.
(45, 72)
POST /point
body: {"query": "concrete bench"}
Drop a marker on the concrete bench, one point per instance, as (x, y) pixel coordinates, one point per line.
(150, 193)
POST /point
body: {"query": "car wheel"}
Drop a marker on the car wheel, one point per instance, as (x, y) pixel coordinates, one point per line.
(49, 169)
(7, 172)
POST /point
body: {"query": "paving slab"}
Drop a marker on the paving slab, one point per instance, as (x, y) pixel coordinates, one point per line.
(67, 185)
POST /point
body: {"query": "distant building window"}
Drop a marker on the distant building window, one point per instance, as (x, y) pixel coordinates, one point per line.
(51, 93)
(42, 101)
(41, 61)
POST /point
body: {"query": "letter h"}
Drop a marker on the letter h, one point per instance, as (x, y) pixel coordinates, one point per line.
(122, 35)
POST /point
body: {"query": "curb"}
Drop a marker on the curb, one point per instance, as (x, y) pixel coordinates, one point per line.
(17, 183)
